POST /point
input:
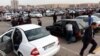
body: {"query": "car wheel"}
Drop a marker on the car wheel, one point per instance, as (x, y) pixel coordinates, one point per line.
(20, 54)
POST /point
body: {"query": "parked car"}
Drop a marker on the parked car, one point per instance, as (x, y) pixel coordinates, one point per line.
(36, 14)
(59, 12)
(49, 12)
(59, 29)
(29, 40)
(85, 19)
(97, 14)
(7, 16)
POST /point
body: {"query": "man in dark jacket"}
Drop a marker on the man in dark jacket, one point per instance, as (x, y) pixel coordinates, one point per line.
(39, 21)
(88, 38)
(28, 20)
(20, 20)
(13, 22)
(54, 18)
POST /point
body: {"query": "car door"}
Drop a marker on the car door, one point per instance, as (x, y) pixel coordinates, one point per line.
(5, 42)
(17, 39)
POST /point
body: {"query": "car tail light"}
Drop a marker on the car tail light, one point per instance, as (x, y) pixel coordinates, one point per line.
(35, 52)
(99, 25)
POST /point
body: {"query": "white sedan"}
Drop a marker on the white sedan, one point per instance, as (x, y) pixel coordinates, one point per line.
(97, 14)
(36, 14)
(85, 19)
(49, 13)
(29, 40)
(7, 16)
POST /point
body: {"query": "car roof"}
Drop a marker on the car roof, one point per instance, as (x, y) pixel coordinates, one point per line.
(71, 19)
(28, 26)
(80, 21)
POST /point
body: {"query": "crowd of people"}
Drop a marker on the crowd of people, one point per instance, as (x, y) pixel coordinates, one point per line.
(19, 20)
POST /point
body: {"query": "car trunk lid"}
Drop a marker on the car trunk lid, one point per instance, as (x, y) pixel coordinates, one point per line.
(46, 44)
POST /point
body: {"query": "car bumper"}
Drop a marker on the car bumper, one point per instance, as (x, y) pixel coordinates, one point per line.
(53, 52)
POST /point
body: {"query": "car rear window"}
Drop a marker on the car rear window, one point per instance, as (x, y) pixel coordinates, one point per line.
(85, 19)
(79, 24)
(37, 33)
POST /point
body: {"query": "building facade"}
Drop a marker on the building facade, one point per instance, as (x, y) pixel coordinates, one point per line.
(14, 4)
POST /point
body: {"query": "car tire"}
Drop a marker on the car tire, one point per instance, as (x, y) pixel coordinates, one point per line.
(20, 54)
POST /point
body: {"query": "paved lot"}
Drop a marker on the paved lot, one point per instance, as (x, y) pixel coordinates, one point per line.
(66, 49)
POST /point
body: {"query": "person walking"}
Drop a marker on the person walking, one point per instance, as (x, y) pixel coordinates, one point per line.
(54, 18)
(39, 21)
(88, 38)
(90, 19)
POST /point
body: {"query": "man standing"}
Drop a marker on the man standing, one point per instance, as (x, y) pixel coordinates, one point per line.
(88, 38)
(69, 31)
(90, 19)
(54, 18)
(28, 20)
(39, 21)
(13, 21)
(20, 20)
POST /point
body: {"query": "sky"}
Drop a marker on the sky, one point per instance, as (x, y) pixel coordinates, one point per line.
(38, 2)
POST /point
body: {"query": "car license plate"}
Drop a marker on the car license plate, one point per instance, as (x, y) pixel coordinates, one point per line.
(49, 46)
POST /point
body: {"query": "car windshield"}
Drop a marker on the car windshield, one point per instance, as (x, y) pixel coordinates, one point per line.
(37, 33)
(82, 24)
(85, 19)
